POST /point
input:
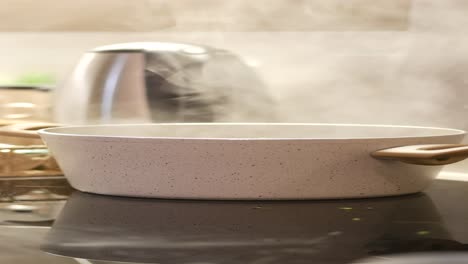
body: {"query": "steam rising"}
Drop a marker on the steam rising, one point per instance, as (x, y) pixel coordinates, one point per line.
(358, 61)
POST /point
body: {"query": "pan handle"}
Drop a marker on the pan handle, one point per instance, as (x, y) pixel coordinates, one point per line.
(436, 154)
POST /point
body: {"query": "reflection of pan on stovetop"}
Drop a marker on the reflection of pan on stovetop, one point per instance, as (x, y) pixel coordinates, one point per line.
(165, 231)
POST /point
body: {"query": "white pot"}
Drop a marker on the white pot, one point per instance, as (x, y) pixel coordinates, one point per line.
(251, 161)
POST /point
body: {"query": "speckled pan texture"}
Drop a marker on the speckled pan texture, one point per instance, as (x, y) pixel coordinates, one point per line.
(146, 161)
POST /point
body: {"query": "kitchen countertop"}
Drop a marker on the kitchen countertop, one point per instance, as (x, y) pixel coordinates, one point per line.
(102, 229)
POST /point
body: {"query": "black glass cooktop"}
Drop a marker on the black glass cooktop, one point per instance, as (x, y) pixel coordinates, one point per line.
(102, 229)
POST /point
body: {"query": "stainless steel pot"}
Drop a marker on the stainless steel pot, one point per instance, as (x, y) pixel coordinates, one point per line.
(253, 161)
(161, 82)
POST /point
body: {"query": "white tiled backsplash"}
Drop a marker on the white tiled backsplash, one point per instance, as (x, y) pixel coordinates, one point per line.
(354, 61)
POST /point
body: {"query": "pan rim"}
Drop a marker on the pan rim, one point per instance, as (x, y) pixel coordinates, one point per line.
(52, 132)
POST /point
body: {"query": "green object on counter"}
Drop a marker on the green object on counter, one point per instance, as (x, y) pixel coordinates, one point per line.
(35, 79)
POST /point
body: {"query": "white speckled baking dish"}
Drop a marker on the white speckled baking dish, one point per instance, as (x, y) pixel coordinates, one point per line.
(251, 160)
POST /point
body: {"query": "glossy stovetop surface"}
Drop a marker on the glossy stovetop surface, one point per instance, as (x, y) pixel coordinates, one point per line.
(101, 229)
